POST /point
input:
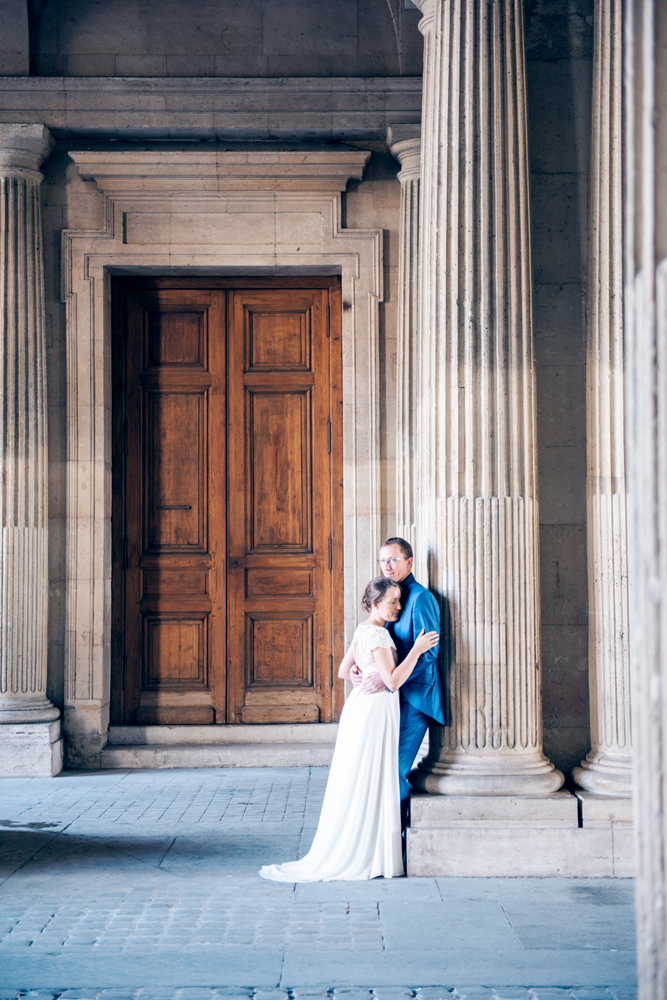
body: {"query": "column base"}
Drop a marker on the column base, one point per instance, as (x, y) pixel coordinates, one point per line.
(518, 836)
(605, 774)
(529, 774)
(31, 749)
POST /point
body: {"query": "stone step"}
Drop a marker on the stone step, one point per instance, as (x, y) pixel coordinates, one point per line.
(187, 755)
(318, 732)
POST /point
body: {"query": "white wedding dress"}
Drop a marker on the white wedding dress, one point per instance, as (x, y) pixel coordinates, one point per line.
(359, 832)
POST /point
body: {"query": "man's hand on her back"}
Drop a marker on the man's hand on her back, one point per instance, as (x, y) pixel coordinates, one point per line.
(355, 675)
(373, 684)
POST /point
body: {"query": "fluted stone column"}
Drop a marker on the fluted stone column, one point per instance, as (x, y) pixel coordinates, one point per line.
(645, 315)
(476, 461)
(607, 768)
(404, 143)
(30, 741)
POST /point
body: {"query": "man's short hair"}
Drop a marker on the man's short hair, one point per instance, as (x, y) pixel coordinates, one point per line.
(404, 546)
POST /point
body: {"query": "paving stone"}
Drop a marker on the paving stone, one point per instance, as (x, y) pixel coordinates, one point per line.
(435, 993)
(78, 995)
(116, 995)
(473, 993)
(510, 994)
(552, 993)
(309, 994)
(393, 993)
(343, 993)
(591, 994)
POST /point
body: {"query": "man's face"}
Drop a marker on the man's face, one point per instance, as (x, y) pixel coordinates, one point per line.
(393, 563)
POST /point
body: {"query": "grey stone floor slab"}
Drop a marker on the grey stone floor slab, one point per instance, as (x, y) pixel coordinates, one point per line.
(144, 886)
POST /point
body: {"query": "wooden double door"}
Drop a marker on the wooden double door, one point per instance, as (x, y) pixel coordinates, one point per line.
(227, 500)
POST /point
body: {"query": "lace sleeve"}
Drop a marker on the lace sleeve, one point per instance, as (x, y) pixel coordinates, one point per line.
(380, 637)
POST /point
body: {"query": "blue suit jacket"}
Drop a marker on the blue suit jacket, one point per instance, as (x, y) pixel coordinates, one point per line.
(423, 688)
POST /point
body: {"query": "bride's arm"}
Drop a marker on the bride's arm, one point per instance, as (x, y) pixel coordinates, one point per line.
(346, 663)
(393, 675)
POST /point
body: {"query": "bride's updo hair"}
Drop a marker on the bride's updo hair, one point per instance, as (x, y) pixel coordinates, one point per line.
(375, 591)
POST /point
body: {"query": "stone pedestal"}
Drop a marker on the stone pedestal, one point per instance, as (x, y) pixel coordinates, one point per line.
(30, 741)
(475, 466)
(527, 836)
(607, 768)
(404, 143)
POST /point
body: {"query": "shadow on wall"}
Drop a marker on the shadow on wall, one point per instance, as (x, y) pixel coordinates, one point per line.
(559, 42)
(447, 647)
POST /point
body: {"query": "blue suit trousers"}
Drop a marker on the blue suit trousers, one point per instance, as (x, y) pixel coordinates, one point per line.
(414, 725)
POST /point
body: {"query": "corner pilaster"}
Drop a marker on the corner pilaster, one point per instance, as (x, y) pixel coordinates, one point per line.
(30, 741)
(404, 142)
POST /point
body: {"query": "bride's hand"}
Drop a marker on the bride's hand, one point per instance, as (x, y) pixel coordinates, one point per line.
(426, 640)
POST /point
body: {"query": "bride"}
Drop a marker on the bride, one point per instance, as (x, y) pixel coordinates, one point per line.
(359, 833)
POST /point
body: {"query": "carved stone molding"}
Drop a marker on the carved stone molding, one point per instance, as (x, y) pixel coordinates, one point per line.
(477, 519)
(287, 109)
(255, 212)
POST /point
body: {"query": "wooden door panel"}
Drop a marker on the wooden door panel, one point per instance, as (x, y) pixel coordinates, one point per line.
(280, 650)
(175, 435)
(278, 425)
(280, 522)
(175, 651)
(276, 340)
(174, 589)
(176, 337)
(293, 582)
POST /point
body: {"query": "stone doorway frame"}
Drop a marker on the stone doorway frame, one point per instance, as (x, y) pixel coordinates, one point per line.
(156, 204)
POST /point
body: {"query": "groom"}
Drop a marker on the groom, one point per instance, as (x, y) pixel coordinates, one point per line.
(421, 697)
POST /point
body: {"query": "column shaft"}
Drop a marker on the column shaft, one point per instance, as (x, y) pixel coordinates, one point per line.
(477, 507)
(645, 327)
(607, 768)
(405, 144)
(23, 439)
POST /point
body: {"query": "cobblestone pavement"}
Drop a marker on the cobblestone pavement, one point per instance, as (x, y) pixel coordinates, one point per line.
(397, 993)
(144, 886)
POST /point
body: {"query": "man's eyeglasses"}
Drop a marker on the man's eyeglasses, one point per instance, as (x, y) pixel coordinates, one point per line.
(390, 562)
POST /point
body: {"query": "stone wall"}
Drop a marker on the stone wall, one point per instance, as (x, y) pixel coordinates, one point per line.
(229, 38)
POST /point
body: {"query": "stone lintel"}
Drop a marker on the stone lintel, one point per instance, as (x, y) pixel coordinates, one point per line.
(215, 171)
